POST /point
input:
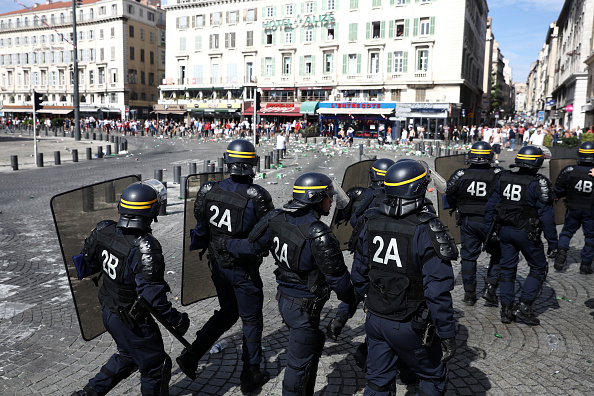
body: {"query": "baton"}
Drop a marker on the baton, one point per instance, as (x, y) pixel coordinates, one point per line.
(489, 235)
(162, 320)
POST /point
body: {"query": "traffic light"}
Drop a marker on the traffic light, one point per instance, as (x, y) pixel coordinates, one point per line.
(79, 3)
(37, 99)
(258, 100)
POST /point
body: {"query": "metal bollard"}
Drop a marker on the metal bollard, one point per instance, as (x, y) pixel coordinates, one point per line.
(74, 155)
(192, 168)
(88, 199)
(275, 158)
(182, 187)
(447, 151)
(94, 136)
(14, 162)
(163, 208)
(111, 138)
(258, 166)
(220, 163)
(110, 195)
(55, 132)
(87, 135)
(57, 160)
(176, 174)
(211, 168)
(206, 162)
(108, 150)
(89, 153)
(159, 174)
(267, 162)
(40, 160)
(100, 152)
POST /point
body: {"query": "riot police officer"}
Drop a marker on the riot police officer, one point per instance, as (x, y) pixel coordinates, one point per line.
(132, 265)
(310, 264)
(360, 198)
(404, 272)
(467, 192)
(224, 210)
(523, 203)
(575, 184)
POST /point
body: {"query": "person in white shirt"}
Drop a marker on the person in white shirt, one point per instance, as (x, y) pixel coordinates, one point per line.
(537, 138)
(281, 143)
(487, 133)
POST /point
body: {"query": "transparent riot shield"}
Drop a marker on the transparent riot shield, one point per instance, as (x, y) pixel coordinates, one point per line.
(555, 167)
(196, 275)
(446, 166)
(356, 175)
(76, 213)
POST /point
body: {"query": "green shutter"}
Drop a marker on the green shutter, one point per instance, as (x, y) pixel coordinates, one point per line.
(336, 5)
(315, 7)
(345, 60)
(303, 8)
(323, 33)
(283, 10)
(274, 38)
(390, 55)
(313, 35)
(405, 62)
(324, 5)
(368, 31)
(358, 63)
(263, 12)
(391, 2)
(416, 1)
(432, 26)
(335, 30)
(301, 65)
(406, 27)
(354, 4)
(273, 65)
(302, 35)
(391, 29)
(407, 1)
(416, 27)
(274, 11)
(263, 67)
(313, 64)
(383, 29)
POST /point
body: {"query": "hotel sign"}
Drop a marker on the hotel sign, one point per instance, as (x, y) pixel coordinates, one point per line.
(299, 21)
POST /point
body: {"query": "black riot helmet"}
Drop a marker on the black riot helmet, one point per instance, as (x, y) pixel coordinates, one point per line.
(377, 173)
(530, 157)
(241, 157)
(311, 189)
(405, 185)
(481, 153)
(140, 203)
(586, 153)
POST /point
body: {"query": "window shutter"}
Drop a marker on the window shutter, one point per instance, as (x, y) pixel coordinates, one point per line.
(274, 38)
(358, 63)
(336, 5)
(263, 67)
(273, 64)
(368, 31)
(391, 2)
(391, 29)
(226, 40)
(283, 10)
(210, 42)
(406, 27)
(313, 35)
(335, 30)
(302, 35)
(264, 37)
(315, 4)
(193, 21)
(313, 62)
(432, 26)
(274, 13)
(263, 12)
(405, 62)
(301, 65)
(324, 5)
(416, 27)
(227, 16)
(303, 8)
(177, 23)
(345, 59)
(390, 55)
(383, 29)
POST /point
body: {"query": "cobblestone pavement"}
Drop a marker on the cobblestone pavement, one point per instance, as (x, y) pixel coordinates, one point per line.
(42, 351)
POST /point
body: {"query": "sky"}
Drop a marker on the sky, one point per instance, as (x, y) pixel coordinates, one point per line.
(520, 26)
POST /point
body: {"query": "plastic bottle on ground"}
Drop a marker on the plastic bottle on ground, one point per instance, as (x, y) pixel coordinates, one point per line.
(218, 347)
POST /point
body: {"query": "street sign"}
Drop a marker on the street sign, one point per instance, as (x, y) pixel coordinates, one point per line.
(541, 116)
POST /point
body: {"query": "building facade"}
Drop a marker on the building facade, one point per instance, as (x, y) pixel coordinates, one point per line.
(327, 50)
(121, 57)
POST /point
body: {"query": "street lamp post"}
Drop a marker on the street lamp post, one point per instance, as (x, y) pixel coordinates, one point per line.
(75, 70)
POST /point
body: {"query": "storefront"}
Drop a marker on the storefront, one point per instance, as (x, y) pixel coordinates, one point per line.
(223, 112)
(172, 112)
(308, 109)
(366, 118)
(280, 112)
(430, 116)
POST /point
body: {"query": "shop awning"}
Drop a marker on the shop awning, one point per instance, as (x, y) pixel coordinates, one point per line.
(175, 112)
(56, 111)
(294, 111)
(249, 111)
(309, 108)
(328, 110)
(17, 110)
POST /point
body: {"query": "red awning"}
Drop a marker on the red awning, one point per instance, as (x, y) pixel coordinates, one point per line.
(249, 111)
(281, 111)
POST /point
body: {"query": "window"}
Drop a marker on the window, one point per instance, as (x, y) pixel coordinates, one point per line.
(150, 16)
(268, 66)
(198, 43)
(309, 7)
(131, 10)
(230, 40)
(399, 27)
(216, 18)
(308, 62)
(113, 97)
(199, 21)
(251, 15)
(420, 95)
(424, 22)
(328, 63)
(26, 40)
(376, 3)
(132, 76)
(309, 34)
(268, 37)
(151, 79)
(113, 53)
(286, 65)
(182, 43)
(142, 54)
(376, 29)
(250, 38)
(91, 77)
(269, 12)
(400, 2)
(140, 12)
(101, 75)
(332, 5)
(288, 36)
(398, 62)
(142, 77)
(162, 37)
(232, 17)
(374, 62)
(353, 27)
(91, 35)
(422, 60)
(152, 57)
(182, 22)
(289, 9)
(91, 13)
(112, 33)
(162, 57)
(214, 41)
(101, 54)
(102, 10)
(330, 32)
(100, 34)
(142, 34)
(52, 20)
(131, 31)
(354, 4)
(152, 37)
(131, 53)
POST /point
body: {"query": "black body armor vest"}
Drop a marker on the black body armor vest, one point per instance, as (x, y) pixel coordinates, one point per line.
(395, 282)
(474, 189)
(288, 241)
(114, 250)
(579, 189)
(514, 209)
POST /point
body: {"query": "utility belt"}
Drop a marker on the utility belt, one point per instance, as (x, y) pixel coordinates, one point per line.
(533, 229)
(312, 307)
(137, 314)
(422, 324)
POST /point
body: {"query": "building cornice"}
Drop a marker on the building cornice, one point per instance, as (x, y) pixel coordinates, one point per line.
(62, 26)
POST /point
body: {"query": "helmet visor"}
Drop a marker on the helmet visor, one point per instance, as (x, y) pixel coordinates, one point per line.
(159, 189)
(439, 182)
(338, 195)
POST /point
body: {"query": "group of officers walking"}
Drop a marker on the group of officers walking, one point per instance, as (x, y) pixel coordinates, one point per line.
(402, 266)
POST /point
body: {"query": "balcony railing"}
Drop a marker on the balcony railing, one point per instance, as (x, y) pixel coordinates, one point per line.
(420, 74)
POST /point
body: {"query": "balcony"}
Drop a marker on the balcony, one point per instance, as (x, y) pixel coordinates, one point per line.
(421, 74)
(327, 78)
(396, 76)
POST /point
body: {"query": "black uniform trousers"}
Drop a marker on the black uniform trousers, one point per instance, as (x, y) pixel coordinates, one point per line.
(574, 219)
(472, 236)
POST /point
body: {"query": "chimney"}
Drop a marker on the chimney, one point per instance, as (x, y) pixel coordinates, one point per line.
(48, 1)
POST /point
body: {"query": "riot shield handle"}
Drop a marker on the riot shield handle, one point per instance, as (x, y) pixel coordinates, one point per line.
(157, 315)
(490, 234)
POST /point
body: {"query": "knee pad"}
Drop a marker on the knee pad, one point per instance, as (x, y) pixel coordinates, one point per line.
(163, 377)
(391, 387)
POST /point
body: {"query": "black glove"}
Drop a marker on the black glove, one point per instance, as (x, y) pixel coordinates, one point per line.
(552, 253)
(448, 347)
(335, 326)
(183, 325)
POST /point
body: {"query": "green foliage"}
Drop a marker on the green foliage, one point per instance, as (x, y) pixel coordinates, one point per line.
(570, 141)
(311, 131)
(58, 122)
(548, 140)
(587, 137)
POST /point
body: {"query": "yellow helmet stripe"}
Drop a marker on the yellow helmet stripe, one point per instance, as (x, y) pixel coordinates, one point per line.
(242, 152)
(302, 189)
(135, 207)
(406, 181)
(586, 151)
(379, 171)
(527, 156)
(242, 156)
(135, 204)
(476, 151)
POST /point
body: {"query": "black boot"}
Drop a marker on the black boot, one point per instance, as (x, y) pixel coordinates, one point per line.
(86, 391)
(523, 311)
(490, 294)
(469, 298)
(189, 358)
(507, 314)
(586, 268)
(253, 378)
(560, 259)
(360, 356)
